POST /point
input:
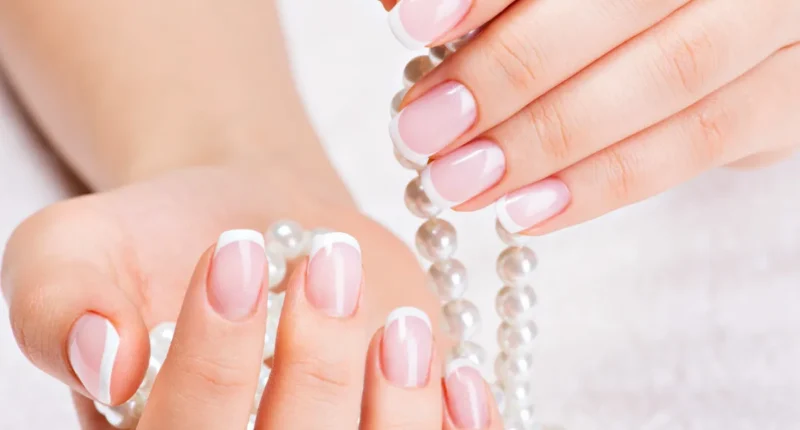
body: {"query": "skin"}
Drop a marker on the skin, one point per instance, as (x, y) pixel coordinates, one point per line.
(180, 134)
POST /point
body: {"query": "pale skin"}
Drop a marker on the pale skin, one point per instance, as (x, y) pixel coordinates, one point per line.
(183, 121)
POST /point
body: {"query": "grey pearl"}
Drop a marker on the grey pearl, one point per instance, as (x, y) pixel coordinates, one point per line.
(416, 69)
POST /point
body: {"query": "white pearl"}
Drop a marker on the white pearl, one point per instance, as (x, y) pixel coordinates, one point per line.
(461, 319)
(469, 350)
(396, 101)
(519, 393)
(513, 367)
(275, 303)
(277, 265)
(520, 418)
(509, 238)
(436, 240)
(515, 304)
(406, 163)
(499, 396)
(263, 378)
(153, 367)
(162, 334)
(438, 54)
(448, 279)
(270, 336)
(416, 69)
(459, 43)
(124, 416)
(516, 264)
(418, 202)
(289, 237)
(517, 337)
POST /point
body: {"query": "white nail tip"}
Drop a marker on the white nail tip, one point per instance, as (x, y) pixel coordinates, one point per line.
(505, 218)
(110, 349)
(232, 236)
(399, 30)
(457, 364)
(430, 190)
(408, 312)
(327, 240)
(402, 148)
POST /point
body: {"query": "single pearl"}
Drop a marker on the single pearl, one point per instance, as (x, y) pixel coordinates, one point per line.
(406, 163)
(275, 303)
(448, 279)
(396, 100)
(509, 238)
(499, 394)
(461, 319)
(513, 337)
(124, 416)
(469, 350)
(277, 265)
(270, 336)
(153, 367)
(516, 264)
(459, 43)
(519, 394)
(416, 69)
(162, 334)
(289, 237)
(437, 54)
(520, 418)
(513, 367)
(436, 240)
(263, 378)
(418, 202)
(515, 304)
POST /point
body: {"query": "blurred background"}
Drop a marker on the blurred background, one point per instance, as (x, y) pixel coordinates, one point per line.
(680, 312)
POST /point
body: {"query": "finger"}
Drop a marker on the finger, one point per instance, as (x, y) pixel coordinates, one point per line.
(209, 377)
(402, 388)
(468, 400)
(763, 159)
(68, 314)
(516, 59)
(318, 373)
(419, 23)
(756, 113)
(88, 417)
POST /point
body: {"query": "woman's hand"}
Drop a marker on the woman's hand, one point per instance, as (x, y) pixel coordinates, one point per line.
(566, 109)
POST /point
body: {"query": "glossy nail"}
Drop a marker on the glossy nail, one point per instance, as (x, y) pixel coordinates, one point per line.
(406, 347)
(467, 400)
(93, 346)
(237, 273)
(433, 121)
(333, 279)
(416, 23)
(463, 173)
(532, 205)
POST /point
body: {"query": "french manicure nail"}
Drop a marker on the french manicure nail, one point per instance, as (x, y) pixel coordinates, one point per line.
(433, 121)
(333, 278)
(416, 23)
(467, 400)
(237, 273)
(406, 347)
(463, 173)
(93, 346)
(532, 205)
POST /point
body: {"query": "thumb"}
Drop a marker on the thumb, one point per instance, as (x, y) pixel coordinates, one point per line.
(67, 314)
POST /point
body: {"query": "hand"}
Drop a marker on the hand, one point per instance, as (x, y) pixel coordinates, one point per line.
(564, 110)
(127, 254)
(209, 378)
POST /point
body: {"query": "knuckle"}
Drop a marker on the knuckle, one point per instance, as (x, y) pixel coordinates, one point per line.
(26, 311)
(211, 374)
(709, 129)
(688, 61)
(550, 128)
(621, 177)
(324, 379)
(517, 59)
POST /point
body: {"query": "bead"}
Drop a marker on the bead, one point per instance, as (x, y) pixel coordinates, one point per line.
(514, 367)
(519, 393)
(418, 202)
(288, 236)
(277, 265)
(469, 350)
(499, 394)
(461, 319)
(162, 334)
(396, 101)
(436, 240)
(406, 163)
(416, 69)
(270, 336)
(515, 265)
(275, 303)
(153, 367)
(437, 54)
(513, 337)
(509, 238)
(515, 304)
(124, 416)
(520, 418)
(459, 43)
(263, 378)
(448, 279)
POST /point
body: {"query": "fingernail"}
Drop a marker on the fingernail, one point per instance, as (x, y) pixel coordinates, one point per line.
(406, 347)
(433, 121)
(416, 23)
(466, 395)
(93, 346)
(532, 205)
(237, 273)
(333, 279)
(463, 173)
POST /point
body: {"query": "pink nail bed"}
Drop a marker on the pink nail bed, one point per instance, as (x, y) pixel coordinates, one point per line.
(532, 205)
(467, 399)
(463, 173)
(433, 121)
(406, 348)
(416, 23)
(93, 347)
(237, 273)
(333, 277)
